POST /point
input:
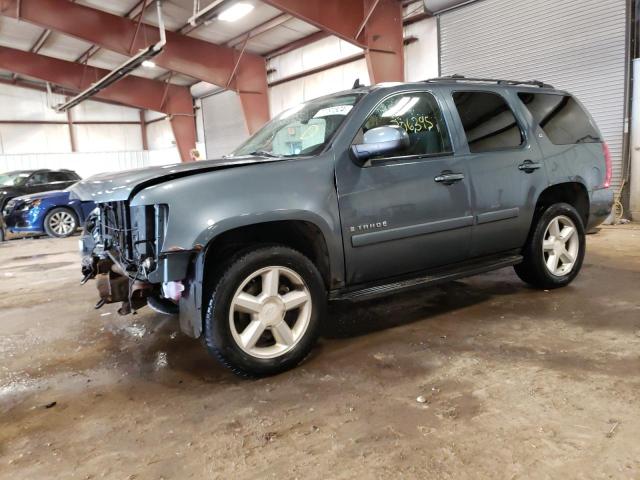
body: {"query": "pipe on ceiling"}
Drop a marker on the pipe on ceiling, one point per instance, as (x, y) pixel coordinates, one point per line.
(440, 6)
(123, 70)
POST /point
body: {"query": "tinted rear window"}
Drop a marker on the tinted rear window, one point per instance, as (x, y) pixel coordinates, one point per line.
(561, 117)
(488, 121)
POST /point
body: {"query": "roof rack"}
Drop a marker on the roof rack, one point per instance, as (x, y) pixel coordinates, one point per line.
(462, 78)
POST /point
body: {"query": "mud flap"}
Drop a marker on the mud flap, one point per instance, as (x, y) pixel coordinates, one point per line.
(190, 303)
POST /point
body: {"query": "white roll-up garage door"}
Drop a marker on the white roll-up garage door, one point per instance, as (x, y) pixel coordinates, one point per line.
(575, 45)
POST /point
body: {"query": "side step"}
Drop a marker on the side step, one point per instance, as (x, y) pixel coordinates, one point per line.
(435, 278)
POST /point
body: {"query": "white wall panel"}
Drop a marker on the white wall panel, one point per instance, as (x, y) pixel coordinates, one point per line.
(576, 45)
(310, 56)
(108, 137)
(160, 136)
(21, 138)
(163, 157)
(224, 125)
(85, 164)
(288, 94)
(28, 104)
(96, 111)
(421, 57)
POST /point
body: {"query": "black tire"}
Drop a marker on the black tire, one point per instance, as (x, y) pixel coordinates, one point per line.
(533, 270)
(50, 228)
(218, 336)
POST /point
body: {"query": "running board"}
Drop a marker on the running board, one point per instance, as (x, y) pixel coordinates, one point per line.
(434, 278)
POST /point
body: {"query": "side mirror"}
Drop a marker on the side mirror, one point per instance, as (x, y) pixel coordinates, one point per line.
(380, 141)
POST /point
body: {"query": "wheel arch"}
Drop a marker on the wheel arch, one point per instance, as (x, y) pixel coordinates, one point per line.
(301, 235)
(574, 193)
(53, 207)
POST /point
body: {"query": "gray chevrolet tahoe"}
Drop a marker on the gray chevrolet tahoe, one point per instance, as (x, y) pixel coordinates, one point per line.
(351, 196)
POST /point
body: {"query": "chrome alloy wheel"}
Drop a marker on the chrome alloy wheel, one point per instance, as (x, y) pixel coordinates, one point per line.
(62, 223)
(270, 312)
(560, 246)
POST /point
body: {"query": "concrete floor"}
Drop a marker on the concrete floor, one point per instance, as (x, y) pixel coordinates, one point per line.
(518, 383)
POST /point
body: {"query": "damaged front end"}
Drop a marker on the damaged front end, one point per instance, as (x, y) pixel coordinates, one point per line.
(121, 248)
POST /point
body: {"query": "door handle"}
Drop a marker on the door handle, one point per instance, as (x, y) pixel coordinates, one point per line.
(528, 166)
(449, 177)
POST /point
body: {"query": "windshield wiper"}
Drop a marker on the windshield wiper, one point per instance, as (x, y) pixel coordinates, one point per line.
(264, 153)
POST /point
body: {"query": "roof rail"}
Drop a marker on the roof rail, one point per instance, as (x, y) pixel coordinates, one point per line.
(462, 78)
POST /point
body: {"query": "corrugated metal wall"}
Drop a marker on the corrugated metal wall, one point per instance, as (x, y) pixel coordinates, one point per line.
(224, 125)
(576, 45)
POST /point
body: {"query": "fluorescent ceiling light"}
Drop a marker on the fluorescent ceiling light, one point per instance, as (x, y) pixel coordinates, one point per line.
(235, 12)
(148, 64)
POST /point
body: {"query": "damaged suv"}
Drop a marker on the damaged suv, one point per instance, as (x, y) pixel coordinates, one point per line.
(351, 196)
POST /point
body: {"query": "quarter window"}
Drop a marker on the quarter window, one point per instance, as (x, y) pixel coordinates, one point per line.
(418, 114)
(561, 117)
(488, 121)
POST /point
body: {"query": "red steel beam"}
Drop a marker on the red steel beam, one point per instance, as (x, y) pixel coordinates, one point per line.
(383, 35)
(133, 91)
(374, 25)
(190, 56)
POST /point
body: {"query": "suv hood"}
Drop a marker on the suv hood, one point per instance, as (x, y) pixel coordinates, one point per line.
(113, 187)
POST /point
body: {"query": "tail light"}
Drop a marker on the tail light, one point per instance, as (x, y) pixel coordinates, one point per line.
(607, 165)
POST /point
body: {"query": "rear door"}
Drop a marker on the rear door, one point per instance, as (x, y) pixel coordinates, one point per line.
(506, 171)
(408, 211)
(60, 180)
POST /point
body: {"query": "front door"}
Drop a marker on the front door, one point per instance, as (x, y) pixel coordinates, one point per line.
(408, 211)
(505, 168)
(37, 183)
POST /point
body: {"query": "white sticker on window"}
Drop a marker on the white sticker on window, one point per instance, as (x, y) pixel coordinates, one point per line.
(336, 110)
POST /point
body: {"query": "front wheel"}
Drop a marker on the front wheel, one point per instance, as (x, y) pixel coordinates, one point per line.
(555, 250)
(265, 311)
(60, 223)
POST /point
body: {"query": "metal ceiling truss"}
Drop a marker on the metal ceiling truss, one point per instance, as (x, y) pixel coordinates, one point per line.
(173, 100)
(182, 54)
(373, 25)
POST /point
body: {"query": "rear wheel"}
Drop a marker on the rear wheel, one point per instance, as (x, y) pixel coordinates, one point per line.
(265, 311)
(60, 222)
(555, 250)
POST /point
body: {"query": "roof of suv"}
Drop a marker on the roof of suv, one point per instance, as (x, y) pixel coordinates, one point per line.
(30, 171)
(527, 85)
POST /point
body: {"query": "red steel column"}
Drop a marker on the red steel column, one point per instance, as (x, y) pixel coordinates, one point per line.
(184, 129)
(383, 35)
(143, 131)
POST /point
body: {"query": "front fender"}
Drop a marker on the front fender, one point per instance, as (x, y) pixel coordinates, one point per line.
(203, 206)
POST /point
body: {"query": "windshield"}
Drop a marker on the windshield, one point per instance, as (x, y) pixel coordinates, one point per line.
(302, 130)
(13, 179)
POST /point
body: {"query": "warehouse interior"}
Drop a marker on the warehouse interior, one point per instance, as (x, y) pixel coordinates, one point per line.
(475, 377)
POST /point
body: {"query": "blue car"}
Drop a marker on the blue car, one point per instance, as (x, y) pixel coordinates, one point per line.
(53, 213)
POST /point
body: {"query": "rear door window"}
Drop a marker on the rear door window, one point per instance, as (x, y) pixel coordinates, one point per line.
(488, 121)
(561, 117)
(59, 177)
